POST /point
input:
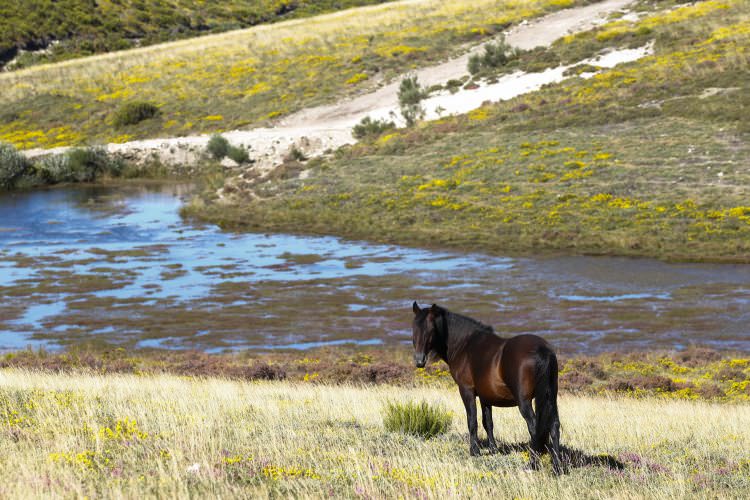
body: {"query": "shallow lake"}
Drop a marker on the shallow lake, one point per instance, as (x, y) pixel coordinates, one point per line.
(118, 265)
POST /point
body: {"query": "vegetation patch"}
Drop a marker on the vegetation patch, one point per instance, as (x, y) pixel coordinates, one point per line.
(368, 129)
(13, 165)
(418, 419)
(495, 55)
(217, 147)
(134, 112)
(696, 373)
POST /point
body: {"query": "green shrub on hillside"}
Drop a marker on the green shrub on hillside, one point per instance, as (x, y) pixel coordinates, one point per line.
(13, 165)
(134, 112)
(218, 147)
(239, 155)
(410, 94)
(496, 55)
(418, 419)
(369, 128)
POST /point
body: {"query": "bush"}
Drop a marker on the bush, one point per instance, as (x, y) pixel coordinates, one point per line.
(13, 165)
(86, 164)
(410, 94)
(417, 419)
(264, 371)
(134, 112)
(496, 55)
(371, 128)
(54, 168)
(218, 147)
(239, 155)
(295, 154)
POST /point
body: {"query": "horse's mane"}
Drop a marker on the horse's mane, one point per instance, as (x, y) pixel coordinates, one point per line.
(460, 325)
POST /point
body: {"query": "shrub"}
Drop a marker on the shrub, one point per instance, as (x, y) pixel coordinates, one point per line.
(371, 128)
(218, 147)
(264, 371)
(13, 165)
(54, 168)
(239, 155)
(410, 94)
(295, 154)
(496, 55)
(417, 419)
(134, 112)
(86, 164)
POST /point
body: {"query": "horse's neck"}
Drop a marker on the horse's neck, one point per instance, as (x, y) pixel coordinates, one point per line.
(459, 330)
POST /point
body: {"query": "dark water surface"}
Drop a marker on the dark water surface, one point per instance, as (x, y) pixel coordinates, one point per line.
(118, 265)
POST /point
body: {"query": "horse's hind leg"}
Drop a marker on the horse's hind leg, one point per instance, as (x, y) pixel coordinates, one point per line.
(528, 414)
(487, 423)
(555, 435)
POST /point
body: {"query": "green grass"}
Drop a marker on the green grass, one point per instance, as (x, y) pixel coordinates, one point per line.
(243, 78)
(163, 436)
(645, 159)
(417, 419)
(84, 27)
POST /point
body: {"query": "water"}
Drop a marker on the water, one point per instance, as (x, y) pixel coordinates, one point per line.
(119, 266)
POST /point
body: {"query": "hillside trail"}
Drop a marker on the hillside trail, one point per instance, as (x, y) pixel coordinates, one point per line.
(526, 36)
(318, 129)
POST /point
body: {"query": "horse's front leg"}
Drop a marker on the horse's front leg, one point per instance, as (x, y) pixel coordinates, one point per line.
(487, 423)
(470, 403)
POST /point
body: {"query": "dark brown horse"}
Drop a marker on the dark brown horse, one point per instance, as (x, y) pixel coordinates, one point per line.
(500, 372)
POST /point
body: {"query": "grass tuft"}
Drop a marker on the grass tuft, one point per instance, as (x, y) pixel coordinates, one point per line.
(417, 419)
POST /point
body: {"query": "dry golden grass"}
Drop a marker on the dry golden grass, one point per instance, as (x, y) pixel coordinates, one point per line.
(129, 436)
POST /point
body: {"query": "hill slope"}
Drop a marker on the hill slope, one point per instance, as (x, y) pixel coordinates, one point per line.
(647, 158)
(83, 27)
(166, 436)
(243, 78)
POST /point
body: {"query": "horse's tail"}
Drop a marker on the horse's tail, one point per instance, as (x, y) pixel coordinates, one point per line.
(545, 400)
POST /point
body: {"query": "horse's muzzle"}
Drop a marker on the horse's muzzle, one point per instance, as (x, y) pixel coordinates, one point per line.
(420, 360)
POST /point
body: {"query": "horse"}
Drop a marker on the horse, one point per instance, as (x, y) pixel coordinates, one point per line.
(503, 372)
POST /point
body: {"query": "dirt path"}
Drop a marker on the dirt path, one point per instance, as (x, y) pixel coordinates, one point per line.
(541, 32)
(317, 129)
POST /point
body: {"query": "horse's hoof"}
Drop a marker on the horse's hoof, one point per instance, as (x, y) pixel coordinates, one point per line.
(474, 451)
(493, 449)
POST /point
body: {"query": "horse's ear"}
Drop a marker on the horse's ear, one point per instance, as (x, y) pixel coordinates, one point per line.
(415, 307)
(436, 310)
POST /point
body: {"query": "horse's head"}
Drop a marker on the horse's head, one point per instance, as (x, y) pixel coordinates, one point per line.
(425, 331)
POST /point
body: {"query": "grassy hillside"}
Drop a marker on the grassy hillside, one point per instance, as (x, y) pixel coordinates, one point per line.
(242, 78)
(84, 27)
(648, 158)
(80, 435)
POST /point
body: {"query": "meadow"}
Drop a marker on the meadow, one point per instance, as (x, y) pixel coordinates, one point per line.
(148, 436)
(243, 78)
(644, 159)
